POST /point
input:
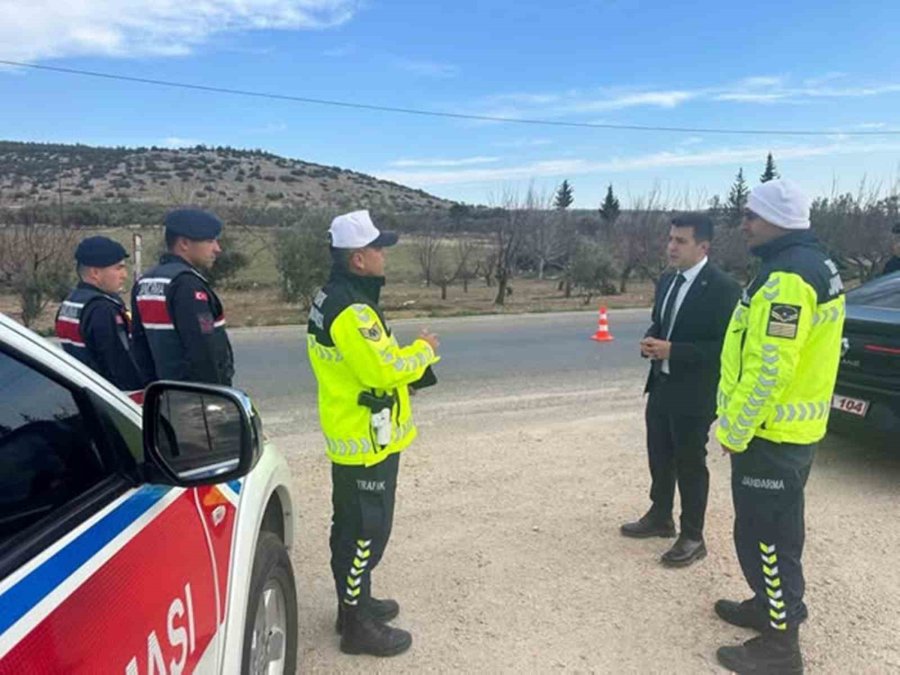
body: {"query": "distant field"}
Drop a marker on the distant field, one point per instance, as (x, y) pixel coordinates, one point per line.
(252, 297)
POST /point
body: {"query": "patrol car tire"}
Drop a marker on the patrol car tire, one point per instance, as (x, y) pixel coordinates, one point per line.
(272, 567)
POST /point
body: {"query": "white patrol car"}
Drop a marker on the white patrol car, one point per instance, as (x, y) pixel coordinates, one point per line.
(137, 547)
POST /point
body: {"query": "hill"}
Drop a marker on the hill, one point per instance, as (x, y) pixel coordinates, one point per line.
(39, 173)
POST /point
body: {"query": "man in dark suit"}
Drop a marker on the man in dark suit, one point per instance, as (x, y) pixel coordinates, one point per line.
(694, 302)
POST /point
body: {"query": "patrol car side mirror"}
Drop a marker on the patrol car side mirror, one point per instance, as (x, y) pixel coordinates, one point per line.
(198, 434)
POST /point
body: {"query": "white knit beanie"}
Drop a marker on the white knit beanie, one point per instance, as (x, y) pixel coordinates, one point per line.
(782, 203)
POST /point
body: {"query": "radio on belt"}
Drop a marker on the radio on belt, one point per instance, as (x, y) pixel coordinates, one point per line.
(381, 407)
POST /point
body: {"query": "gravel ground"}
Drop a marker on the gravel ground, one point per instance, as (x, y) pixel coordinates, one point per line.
(506, 555)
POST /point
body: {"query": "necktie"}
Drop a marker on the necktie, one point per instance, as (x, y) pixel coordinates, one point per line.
(668, 312)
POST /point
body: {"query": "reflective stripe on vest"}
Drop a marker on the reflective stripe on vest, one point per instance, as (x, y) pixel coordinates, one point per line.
(151, 299)
(159, 327)
(151, 302)
(68, 322)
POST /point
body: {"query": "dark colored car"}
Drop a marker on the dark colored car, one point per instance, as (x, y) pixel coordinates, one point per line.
(867, 395)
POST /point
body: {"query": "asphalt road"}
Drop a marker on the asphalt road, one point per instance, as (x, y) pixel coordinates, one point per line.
(493, 355)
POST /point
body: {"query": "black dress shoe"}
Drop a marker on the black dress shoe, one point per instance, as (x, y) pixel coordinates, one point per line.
(649, 526)
(746, 614)
(684, 552)
(379, 610)
(772, 653)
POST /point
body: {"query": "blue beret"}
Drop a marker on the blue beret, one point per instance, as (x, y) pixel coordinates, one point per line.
(100, 252)
(193, 224)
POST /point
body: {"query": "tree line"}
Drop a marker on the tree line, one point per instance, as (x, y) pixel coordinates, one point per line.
(585, 251)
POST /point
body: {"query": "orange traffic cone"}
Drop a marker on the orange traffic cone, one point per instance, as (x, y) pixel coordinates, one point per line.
(602, 334)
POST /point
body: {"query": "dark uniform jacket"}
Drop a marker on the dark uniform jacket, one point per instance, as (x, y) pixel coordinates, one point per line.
(179, 325)
(93, 326)
(696, 337)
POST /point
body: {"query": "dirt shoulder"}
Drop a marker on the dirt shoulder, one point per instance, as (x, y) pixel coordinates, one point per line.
(506, 555)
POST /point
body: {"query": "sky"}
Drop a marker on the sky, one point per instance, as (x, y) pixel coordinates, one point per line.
(807, 65)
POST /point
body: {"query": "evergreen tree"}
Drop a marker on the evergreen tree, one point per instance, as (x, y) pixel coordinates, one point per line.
(771, 172)
(737, 199)
(564, 196)
(609, 210)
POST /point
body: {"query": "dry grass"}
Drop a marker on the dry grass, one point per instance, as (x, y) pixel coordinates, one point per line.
(263, 307)
(253, 299)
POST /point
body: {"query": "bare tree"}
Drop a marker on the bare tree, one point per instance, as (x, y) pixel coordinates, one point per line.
(856, 228)
(36, 262)
(448, 270)
(508, 235)
(426, 249)
(485, 267)
(543, 241)
(464, 255)
(639, 238)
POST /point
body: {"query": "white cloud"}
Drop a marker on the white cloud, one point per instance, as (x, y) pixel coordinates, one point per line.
(758, 81)
(655, 99)
(751, 97)
(42, 29)
(178, 142)
(658, 160)
(466, 161)
(758, 89)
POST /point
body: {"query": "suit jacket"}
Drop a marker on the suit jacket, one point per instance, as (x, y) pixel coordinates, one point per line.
(697, 336)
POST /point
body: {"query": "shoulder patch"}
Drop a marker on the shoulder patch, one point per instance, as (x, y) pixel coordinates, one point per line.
(783, 321)
(201, 295)
(372, 333)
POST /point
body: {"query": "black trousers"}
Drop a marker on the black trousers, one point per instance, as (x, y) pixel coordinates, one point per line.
(363, 502)
(676, 448)
(767, 482)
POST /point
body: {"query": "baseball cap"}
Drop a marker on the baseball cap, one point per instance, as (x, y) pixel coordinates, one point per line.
(356, 230)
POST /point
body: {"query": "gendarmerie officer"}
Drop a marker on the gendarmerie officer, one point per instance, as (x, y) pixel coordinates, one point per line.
(778, 368)
(179, 322)
(92, 323)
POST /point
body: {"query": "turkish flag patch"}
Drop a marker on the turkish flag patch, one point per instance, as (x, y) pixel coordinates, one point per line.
(201, 295)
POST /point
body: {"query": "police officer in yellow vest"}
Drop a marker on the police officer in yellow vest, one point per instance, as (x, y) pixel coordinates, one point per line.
(364, 377)
(779, 364)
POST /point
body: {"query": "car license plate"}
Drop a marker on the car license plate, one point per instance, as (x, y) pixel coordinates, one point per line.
(854, 406)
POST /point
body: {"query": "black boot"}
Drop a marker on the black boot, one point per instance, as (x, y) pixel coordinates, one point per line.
(650, 525)
(363, 635)
(746, 614)
(772, 653)
(380, 610)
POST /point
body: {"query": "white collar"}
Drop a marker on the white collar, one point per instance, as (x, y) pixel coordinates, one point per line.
(691, 273)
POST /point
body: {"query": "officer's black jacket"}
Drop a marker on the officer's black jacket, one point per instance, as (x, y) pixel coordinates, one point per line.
(802, 254)
(342, 290)
(104, 327)
(204, 351)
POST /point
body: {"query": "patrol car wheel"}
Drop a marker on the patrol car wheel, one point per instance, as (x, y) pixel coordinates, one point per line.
(270, 632)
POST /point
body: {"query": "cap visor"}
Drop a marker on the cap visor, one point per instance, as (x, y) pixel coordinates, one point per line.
(384, 240)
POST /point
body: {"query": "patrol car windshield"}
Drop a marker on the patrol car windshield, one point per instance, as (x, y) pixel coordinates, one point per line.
(883, 293)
